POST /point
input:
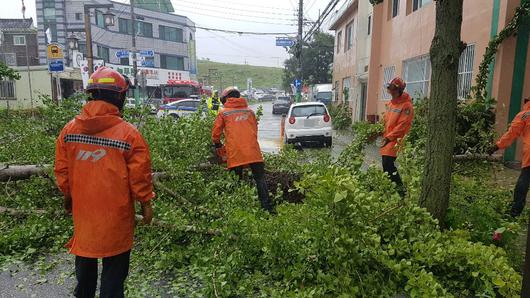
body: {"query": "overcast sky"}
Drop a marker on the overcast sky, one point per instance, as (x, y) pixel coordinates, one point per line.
(239, 15)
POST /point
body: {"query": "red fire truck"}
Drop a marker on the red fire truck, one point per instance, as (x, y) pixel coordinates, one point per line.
(176, 90)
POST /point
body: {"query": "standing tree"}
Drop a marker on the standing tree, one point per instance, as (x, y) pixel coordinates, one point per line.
(8, 73)
(317, 57)
(445, 52)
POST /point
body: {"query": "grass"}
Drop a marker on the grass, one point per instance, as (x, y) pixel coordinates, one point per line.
(237, 74)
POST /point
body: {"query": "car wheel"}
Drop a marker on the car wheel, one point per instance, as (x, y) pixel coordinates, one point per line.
(328, 143)
(175, 116)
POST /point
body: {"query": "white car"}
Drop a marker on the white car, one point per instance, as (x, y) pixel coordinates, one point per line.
(177, 109)
(308, 122)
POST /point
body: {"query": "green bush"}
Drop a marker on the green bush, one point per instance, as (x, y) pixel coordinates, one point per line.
(341, 116)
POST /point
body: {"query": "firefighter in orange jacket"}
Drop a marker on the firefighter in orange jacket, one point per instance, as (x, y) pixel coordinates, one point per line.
(520, 127)
(398, 121)
(237, 122)
(102, 166)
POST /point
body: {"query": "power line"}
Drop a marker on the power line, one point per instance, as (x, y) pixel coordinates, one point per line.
(327, 11)
(237, 20)
(239, 14)
(241, 32)
(239, 10)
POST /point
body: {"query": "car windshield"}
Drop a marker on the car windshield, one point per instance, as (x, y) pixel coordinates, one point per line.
(179, 91)
(306, 111)
(324, 95)
(187, 104)
(283, 100)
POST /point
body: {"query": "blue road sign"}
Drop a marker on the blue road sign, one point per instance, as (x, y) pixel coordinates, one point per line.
(147, 53)
(55, 65)
(122, 54)
(284, 42)
(298, 83)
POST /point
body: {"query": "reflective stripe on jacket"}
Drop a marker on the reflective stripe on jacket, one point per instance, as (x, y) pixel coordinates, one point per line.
(520, 127)
(103, 163)
(398, 121)
(237, 122)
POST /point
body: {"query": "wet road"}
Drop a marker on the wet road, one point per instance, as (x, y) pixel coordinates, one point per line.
(270, 139)
(269, 129)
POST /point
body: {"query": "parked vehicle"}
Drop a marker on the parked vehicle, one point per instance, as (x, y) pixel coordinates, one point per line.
(281, 105)
(181, 108)
(176, 90)
(322, 93)
(308, 122)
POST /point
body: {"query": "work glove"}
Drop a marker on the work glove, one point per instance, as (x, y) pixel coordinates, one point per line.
(492, 149)
(384, 142)
(147, 213)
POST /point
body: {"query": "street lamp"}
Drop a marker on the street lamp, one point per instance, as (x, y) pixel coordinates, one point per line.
(109, 21)
(73, 42)
(109, 18)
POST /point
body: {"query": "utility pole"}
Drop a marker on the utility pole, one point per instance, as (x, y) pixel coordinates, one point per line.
(299, 48)
(133, 52)
(26, 39)
(88, 34)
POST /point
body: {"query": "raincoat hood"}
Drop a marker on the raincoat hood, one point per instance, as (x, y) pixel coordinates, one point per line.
(403, 98)
(97, 116)
(236, 103)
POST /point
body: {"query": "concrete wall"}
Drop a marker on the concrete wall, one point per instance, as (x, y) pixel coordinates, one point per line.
(40, 81)
(409, 35)
(344, 61)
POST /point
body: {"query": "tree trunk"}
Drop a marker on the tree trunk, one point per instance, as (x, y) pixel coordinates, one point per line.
(12, 173)
(445, 54)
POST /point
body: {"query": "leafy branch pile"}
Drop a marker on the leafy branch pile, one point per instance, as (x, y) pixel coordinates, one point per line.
(341, 115)
(347, 234)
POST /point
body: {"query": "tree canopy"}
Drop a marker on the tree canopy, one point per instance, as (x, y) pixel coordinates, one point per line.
(317, 59)
(8, 73)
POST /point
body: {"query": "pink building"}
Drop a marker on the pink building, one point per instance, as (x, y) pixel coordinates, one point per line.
(401, 35)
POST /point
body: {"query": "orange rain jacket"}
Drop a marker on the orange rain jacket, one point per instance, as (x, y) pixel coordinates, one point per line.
(240, 128)
(519, 126)
(103, 164)
(398, 121)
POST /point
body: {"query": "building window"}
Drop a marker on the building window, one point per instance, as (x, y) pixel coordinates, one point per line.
(417, 4)
(7, 90)
(53, 30)
(388, 74)
(465, 71)
(339, 41)
(369, 25)
(171, 62)
(124, 26)
(78, 16)
(395, 8)
(144, 29)
(19, 40)
(417, 75)
(49, 14)
(48, 3)
(346, 89)
(124, 61)
(100, 19)
(349, 37)
(337, 91)
(170, 34)
(103, 53)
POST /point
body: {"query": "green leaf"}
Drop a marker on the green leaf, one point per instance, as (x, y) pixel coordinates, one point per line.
(339, 196)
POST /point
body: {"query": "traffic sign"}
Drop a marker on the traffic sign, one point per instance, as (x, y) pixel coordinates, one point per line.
(284, 42)
(55, 51)
(298, 83)
(122, 54)
(146, 53)
(55, 65)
